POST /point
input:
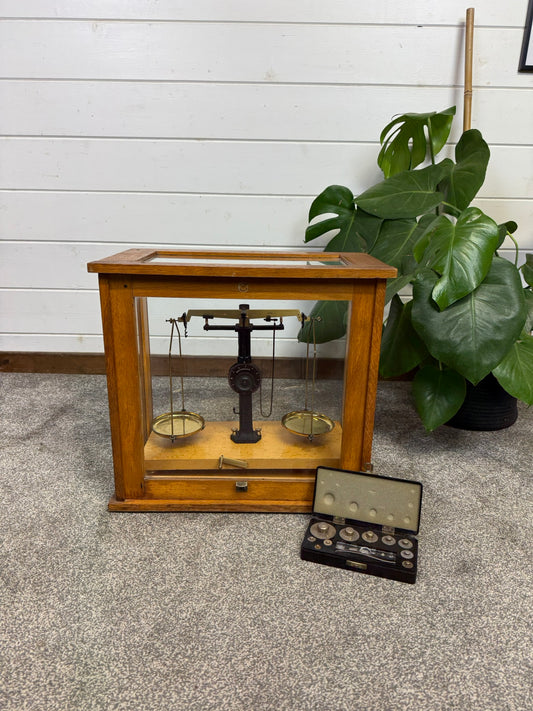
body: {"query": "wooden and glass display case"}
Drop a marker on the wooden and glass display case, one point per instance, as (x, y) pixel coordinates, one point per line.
(180, 460)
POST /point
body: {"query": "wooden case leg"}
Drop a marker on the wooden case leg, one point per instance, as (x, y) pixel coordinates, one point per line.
(361, 372)
(124, 386)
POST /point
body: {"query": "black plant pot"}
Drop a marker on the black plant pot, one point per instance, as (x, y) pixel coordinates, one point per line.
(487, 407)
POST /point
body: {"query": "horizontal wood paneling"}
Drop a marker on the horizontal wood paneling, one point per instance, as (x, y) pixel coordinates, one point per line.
(77, 322)
(333, 54)
(170, 220)
(71, 312)
(197, 110)
(163, 220)
(76, 313)
(221, 166)
(152, 218)
(50, 342)
(244, 111)
(183, 166)
(521, 211)
(92, 343)
(398, 12)
(180, 123)
(21, 264)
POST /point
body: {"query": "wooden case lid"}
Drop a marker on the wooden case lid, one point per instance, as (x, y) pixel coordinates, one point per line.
(359, 497)
(267, 265)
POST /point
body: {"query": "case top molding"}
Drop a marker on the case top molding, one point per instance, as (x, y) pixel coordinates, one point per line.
(368, 498)
(267, 265)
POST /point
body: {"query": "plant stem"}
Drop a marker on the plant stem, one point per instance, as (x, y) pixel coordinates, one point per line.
(430, 139)
(516, 248)
(452, 209)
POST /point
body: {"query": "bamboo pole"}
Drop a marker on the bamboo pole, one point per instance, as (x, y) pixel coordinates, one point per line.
(469, 45)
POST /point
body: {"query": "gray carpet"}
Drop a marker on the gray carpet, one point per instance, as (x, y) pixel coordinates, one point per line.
(203, 611)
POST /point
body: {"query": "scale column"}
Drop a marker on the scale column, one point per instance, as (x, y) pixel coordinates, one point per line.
(244, 378)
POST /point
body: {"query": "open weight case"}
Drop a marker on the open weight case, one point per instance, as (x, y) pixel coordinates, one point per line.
(366, 523)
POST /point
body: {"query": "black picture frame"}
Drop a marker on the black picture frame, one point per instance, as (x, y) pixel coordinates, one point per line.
(526, 55)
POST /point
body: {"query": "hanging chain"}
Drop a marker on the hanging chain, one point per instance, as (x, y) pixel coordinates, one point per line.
(263, 414)
(313, 382)
(313, 320)
(174, 326)
(306, 373)
(313, 324)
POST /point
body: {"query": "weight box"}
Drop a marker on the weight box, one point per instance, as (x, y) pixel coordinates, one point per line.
(365, 523)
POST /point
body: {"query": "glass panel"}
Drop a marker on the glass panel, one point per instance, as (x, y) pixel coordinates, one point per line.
(245, 388)
(215, 261)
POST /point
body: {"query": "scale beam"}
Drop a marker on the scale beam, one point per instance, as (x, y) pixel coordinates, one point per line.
(251, 314)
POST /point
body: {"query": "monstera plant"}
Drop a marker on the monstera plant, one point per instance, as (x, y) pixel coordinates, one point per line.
(458, 311)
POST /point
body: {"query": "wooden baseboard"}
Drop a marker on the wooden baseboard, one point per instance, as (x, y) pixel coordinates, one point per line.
(37, 362)
(203, 366)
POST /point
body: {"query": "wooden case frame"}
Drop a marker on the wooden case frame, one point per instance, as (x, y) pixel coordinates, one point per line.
(128, 279)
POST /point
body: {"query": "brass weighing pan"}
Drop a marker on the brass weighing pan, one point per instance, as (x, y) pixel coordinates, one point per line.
(307, 423)
(178, 424)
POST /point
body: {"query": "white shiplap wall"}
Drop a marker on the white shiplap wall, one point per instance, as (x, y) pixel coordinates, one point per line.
(207, 123)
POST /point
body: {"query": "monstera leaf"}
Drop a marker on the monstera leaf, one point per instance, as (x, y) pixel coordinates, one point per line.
(515, 372)
(397, 284)
(401, 346)
(395, 241)
(336, 200)
(475, 333)
(460, 252)
(406, 195)
(528, 326)
(438, 395)
(368, 227)
(527, 270)
(327, 322)
(471, 159)
(404, 143)
(507, 228)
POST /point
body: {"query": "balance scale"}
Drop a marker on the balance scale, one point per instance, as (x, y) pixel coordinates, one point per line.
(179, 460)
